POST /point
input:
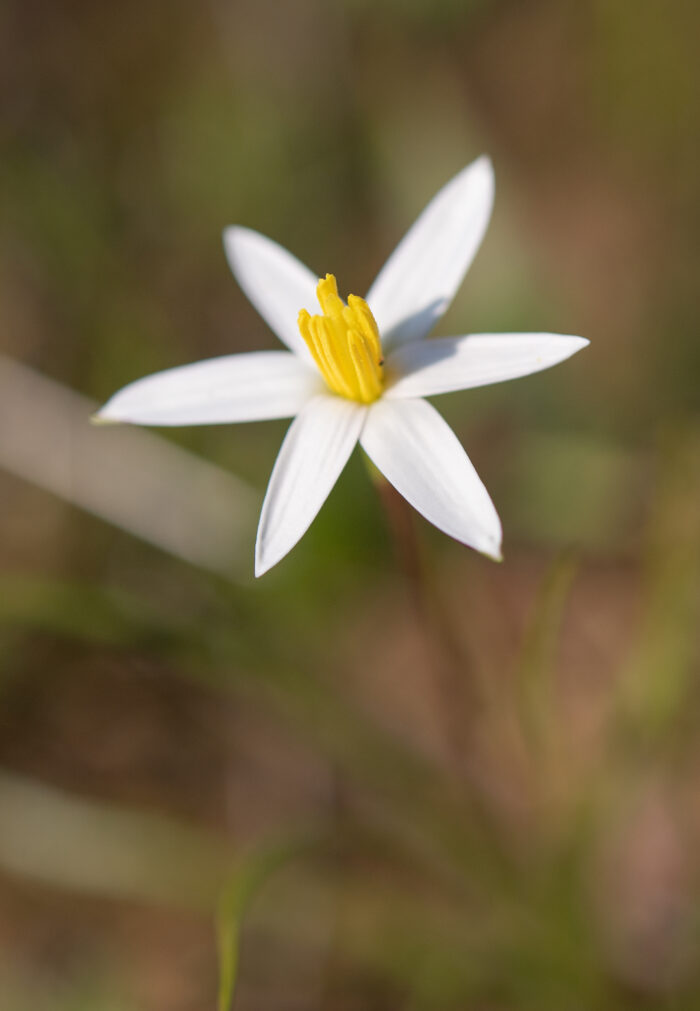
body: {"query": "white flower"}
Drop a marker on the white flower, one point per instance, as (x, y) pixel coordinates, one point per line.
(335, 382)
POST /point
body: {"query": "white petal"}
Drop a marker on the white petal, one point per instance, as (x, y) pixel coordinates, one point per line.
(420, 455)
(247, 387)
(314, 452)
(443, 364)
(419, 280)
(276, 283)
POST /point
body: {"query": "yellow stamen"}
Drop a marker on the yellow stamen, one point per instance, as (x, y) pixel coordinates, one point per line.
(345, 343)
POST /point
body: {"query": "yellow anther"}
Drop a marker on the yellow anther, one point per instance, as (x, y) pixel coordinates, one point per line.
(328, 298)
(334, 368)
(368, 326)
(370, 388)
(345, 344)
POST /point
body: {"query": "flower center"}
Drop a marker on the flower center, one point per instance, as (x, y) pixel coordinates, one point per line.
(345, 343)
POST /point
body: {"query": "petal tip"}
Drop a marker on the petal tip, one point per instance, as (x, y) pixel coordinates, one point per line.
(477, 181)
(230, 237)
(483, 164)
(492, 540)
(263, 561)
(267, 548)
(237, 239)
(576, 344)
(102, 418)
(259, 569)
(482, 170)
(493, 550)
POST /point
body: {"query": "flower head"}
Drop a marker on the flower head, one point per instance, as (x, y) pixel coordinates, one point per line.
(358, 371)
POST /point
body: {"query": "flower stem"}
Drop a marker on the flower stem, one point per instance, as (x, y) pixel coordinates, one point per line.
(455, 694)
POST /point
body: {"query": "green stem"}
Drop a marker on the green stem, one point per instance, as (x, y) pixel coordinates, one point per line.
(454, 693)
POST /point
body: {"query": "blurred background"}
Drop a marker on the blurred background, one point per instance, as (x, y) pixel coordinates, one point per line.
(307, 784)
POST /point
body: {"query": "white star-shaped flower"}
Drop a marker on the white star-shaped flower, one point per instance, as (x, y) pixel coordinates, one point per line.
(357, 373)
